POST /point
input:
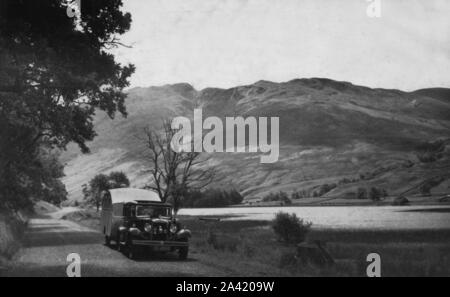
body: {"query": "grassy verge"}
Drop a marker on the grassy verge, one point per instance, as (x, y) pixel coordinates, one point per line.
(250, 248)
(87, 217)
(12, 228)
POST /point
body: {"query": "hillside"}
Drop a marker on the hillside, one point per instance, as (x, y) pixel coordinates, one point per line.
(436, 93)
(330, 132)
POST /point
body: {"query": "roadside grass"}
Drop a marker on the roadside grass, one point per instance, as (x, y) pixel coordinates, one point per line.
(12, 228)
(250, 248)
(403, 253)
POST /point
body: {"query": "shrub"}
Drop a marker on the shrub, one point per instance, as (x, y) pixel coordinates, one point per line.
(299, 194)
(323, 189)
(289, 228)
(361, 193)
(55, 192)
(118, 179)
(280, 196)
(234, 197)
(376, 194)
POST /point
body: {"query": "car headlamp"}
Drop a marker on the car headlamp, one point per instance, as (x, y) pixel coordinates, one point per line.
(148, 227)
(173, 228)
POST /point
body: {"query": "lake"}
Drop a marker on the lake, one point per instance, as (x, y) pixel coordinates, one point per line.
(343, 217)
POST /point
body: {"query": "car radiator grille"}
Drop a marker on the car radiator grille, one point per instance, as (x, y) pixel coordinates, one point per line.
(160, 232)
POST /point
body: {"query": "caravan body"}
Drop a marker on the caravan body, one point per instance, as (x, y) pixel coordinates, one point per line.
(113, 202)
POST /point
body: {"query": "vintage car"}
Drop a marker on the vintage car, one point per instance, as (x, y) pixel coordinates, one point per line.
(137, 221)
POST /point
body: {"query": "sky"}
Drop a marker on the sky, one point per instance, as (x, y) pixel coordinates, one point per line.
(226, 43)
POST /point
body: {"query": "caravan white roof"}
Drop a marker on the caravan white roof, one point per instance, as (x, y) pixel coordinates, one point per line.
(124, 195)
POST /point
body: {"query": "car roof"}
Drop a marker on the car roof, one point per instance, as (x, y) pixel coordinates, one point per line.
(127, 195)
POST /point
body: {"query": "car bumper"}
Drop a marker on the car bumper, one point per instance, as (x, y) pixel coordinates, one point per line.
(159, 243)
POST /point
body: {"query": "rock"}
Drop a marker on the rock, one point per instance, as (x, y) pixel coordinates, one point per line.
(400, 201)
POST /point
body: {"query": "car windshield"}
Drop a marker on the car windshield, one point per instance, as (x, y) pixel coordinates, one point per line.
(152, 211)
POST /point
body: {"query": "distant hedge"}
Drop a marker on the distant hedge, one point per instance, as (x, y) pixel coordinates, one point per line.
(211, 198)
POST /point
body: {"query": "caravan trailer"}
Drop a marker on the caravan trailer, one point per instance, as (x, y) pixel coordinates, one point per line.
(138, 221)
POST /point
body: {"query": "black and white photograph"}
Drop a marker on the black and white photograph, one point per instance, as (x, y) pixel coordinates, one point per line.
(224, 145)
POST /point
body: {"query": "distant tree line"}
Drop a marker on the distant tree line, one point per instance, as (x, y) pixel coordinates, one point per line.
(102, 182)
(191, 199)
(281, 197)
(211, 198)
(373, 193)
(300, 194)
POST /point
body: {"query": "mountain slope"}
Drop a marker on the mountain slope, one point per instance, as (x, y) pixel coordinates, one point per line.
(436, 93)
(329, 131)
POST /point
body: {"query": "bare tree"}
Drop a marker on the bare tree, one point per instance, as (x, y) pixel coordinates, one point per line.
(174, 173)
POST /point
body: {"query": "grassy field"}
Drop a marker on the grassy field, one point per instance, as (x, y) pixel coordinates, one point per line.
(253, 247)
(250, 248)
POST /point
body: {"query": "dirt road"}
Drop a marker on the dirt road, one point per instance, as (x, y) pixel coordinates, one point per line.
(50, 239)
